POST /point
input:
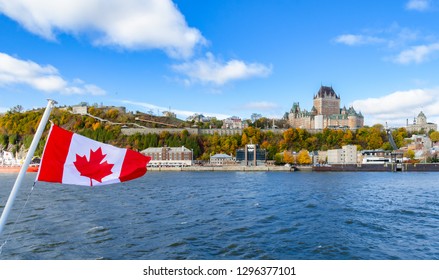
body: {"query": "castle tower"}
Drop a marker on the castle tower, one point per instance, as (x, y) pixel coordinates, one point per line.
(326, 101)
(421, 119)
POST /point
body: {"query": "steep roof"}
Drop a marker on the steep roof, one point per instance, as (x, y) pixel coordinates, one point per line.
(325, 91)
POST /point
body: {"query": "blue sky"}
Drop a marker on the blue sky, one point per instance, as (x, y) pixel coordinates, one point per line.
(222, 58)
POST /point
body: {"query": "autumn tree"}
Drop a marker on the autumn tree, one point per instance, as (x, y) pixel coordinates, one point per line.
(410, 154)
(289, 157)
(434, 136)
(303, 157)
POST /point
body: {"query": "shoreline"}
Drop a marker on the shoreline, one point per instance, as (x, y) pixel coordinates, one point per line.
(223, 168)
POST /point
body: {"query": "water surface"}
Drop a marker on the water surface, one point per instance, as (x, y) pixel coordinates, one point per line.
(228, 215)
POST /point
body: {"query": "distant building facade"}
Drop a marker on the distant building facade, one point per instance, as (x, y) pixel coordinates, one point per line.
(233, 123)
(325, 113)
(169, 114)
(420, 124)
(198, 118)
(169, 156)
(419, 142)
(81, 110)
(346, 155)
(221, 159)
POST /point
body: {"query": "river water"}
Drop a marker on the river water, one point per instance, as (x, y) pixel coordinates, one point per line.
(228, 215)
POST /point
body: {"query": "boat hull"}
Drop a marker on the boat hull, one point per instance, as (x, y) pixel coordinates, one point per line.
(16, 169)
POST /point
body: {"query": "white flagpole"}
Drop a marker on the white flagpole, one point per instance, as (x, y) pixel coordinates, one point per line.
(26, 163)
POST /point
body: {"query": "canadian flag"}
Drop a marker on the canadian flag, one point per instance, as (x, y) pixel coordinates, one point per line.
(70, 158)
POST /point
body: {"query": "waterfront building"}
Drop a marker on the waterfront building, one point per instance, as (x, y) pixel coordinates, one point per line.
(321, 157)
(420, 124)
(325, 113)
(346, 155)
(169, 156)
(251, 154)
(221, 159)
(379, 156)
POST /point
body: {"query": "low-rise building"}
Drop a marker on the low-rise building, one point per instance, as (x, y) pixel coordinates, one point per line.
(376, 156)
(221, 159)
(169, 156)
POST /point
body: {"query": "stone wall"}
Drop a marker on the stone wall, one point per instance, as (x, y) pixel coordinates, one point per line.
(192, 131)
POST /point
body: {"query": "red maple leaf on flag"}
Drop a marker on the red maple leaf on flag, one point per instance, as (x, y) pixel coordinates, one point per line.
(94, 168)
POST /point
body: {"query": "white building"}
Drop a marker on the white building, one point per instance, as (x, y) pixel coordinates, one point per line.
(169, 156)
(376, 156)
(345, 155)
(7, 158)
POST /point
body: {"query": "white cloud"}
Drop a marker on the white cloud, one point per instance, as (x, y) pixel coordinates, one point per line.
(396, 107)
(181, 113)
(262, 105)
(128, 24)
(417, 54)
(355, 40)
(418, 5)
(392, 37)
(406, 45)
(14, 71)
(210, 70)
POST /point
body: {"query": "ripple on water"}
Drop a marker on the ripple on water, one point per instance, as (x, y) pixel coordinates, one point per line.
(177, 244)
(97, 229)
(47, 247)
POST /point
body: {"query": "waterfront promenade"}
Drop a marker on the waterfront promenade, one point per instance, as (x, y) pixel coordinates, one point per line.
(224, 168)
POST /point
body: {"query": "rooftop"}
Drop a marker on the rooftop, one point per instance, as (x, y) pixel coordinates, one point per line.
(325, 91)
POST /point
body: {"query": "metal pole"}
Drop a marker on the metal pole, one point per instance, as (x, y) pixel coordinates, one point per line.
(26, 163)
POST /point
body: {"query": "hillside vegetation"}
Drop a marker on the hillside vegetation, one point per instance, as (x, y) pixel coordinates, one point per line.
(17, 129)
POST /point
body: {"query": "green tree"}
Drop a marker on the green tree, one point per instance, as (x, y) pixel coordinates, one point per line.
(279, 159)
(4, 140)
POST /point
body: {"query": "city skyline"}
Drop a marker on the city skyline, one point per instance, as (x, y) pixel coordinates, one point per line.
(223, 58)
